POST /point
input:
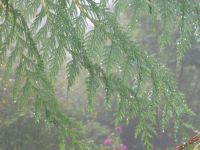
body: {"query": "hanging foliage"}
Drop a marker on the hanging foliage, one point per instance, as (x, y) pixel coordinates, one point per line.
(39, 36)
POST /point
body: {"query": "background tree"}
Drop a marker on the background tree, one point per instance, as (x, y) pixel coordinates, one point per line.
(40, 37)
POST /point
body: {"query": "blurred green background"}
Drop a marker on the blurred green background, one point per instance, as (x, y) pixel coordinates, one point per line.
(19, 130)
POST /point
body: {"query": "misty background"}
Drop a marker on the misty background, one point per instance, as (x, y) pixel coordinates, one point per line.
(20, 131)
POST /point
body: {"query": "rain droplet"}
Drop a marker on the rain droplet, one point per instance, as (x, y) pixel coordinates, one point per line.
(14, 101)
(4, 89)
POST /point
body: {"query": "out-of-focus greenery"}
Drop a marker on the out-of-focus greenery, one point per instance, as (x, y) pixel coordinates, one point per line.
(20, 130)
(37, 37)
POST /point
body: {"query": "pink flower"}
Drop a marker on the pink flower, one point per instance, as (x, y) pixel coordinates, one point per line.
(118, 129)
(107, 141)
(123, 147)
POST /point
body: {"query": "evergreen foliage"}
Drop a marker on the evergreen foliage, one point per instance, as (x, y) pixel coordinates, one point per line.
(39, 36)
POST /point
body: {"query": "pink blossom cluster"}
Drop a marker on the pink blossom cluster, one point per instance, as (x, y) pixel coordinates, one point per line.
(108, 140)
(122, 147)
